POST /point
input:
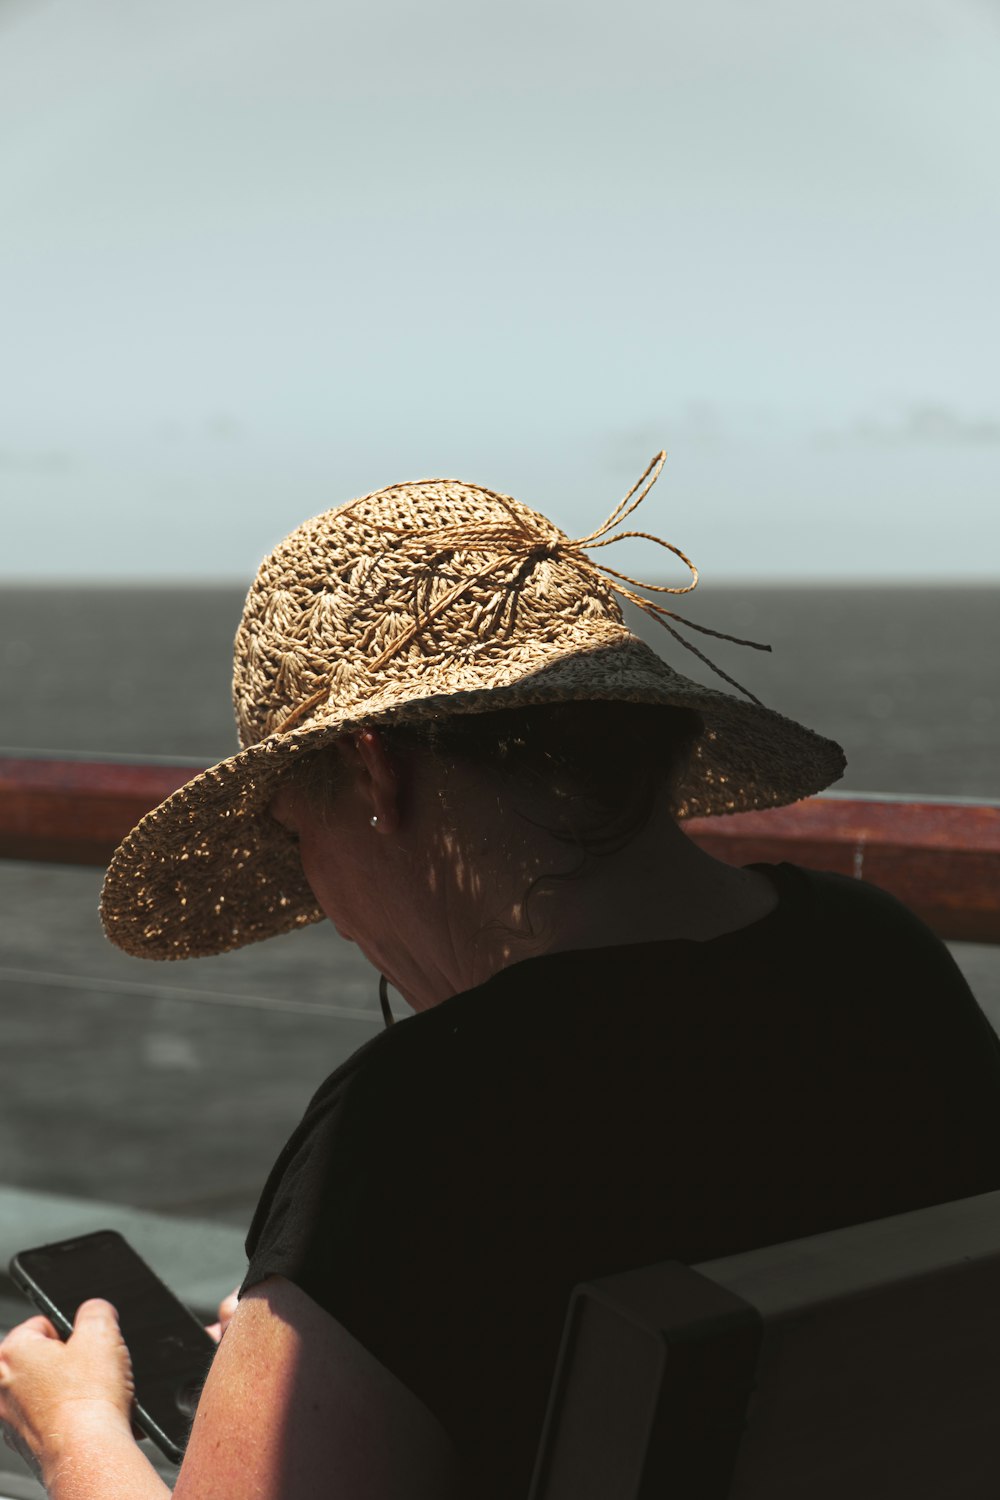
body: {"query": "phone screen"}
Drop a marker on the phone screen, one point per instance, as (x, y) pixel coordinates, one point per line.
(170, 1350)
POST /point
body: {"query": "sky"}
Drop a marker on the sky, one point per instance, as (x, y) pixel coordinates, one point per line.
(257, 258)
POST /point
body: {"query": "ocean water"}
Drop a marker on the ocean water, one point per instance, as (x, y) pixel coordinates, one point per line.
(172, 1086)
(906, 678)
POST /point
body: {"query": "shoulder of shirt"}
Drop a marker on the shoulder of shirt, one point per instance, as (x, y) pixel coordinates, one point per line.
(828, 898)
(809, 902)
(799, 886)
(379, 1056)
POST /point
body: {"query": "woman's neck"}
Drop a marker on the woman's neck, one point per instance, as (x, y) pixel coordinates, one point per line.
(659, 886)
(504, 890)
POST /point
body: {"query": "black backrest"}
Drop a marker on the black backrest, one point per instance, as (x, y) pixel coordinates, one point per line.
(863, 1363)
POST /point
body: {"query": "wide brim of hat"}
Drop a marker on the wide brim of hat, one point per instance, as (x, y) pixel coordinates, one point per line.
(209, 869)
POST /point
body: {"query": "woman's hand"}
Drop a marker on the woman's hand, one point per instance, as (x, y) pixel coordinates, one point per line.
(55, 1394)
(227, 1307)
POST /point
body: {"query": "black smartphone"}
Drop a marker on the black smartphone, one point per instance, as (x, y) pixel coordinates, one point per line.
(170, 1350)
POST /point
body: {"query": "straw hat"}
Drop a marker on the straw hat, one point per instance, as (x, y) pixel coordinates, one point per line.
(425, 599)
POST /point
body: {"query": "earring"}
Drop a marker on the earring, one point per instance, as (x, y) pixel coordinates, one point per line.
(373, 820)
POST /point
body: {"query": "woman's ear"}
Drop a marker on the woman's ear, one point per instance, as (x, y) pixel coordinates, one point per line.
(379, 780)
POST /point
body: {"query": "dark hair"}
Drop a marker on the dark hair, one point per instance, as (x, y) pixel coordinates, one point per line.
(601, 764)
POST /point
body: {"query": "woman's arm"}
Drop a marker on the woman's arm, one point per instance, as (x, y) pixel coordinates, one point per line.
(294, 1405)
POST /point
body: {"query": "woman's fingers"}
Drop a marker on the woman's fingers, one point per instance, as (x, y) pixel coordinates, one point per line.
(227, 1307)
(92, 1364)
(97, 1319)
(36, 1327)
(49, 1388)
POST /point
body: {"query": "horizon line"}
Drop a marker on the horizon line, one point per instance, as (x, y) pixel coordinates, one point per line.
(728, 580)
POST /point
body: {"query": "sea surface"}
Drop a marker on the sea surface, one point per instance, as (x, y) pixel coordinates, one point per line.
(172, 1086)
(906, 678)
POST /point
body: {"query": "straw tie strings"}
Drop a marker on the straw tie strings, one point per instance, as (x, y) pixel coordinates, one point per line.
(520, 542)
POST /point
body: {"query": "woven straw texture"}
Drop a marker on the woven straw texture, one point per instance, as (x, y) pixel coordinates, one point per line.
(430, 598)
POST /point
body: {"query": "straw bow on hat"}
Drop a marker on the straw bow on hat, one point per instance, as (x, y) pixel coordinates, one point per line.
(424, 599)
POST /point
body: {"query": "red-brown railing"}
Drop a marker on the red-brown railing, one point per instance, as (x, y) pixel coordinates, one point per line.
(942, 858)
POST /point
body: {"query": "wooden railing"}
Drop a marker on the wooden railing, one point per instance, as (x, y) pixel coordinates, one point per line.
(941, 857)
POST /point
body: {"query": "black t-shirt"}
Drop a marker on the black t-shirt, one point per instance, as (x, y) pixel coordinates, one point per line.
(591, 1111)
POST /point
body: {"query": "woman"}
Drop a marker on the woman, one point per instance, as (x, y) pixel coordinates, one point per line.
(622, 1051)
